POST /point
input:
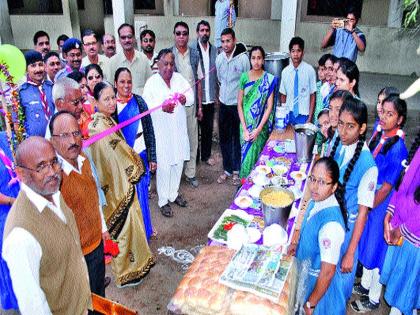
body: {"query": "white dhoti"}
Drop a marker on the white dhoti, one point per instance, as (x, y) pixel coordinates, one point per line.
(172, 145)
(168, 178)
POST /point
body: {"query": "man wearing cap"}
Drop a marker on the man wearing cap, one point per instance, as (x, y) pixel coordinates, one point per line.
(131, 58)
(36, 95)
(52, 65)
(72, 51)
(91, 48)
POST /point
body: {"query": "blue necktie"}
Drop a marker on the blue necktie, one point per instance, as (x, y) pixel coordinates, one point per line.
(296, 95)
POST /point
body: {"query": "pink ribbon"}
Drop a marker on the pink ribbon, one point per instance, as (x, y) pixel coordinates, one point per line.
(111, 130)
(9, 166)
(105, 133)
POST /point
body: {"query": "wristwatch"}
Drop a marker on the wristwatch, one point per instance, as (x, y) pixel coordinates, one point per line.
(308, 305)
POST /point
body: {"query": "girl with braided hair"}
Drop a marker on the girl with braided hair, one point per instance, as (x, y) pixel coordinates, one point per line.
(336, 100)
(321, 238)
(383, 94)
(388, 149)
(401, 268)
(358, 174)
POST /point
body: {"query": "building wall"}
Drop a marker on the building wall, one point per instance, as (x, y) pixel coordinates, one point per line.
(388, 50)
(25, 26)
(92, 16)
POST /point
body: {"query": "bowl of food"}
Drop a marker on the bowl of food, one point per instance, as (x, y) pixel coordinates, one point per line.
(279, 181)
(263, 169)
(276, 205)
(280, 169)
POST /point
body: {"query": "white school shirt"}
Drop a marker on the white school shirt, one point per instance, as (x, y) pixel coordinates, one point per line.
(306, 86)
(365, 193)
(68, 168)
(23, 253)
(331, 235)
(172, 144)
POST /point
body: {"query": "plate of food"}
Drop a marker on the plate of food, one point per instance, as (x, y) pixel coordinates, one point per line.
(280, 169)
(298, 176)
(225, 223)
(263, 169)
(243, 202)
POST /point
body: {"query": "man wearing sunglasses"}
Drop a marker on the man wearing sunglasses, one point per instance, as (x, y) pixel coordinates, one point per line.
(131, 58)
(41, 240)
(187, 63)
(147, 44)
(82, 193)
(91, 47)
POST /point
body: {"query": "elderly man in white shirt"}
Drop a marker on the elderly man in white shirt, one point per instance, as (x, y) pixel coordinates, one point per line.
(41, 242)
(170, 125)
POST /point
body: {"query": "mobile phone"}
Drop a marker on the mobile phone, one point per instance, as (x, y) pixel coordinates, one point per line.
(339, 23)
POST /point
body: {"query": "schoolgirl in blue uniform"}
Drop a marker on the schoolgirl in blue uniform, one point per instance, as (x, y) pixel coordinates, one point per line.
(388, 149)
(321, 238)
(335, 102)
(383, 94)
(358, 174)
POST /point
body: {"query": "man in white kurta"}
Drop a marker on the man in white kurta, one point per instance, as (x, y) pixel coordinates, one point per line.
(172, 146)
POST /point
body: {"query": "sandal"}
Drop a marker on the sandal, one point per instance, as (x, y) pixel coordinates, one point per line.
(166, 211)
(222, 178)
(236, 180)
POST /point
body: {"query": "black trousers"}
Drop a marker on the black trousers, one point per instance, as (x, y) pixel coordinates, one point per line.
(95, 262)
(229, 138)
(206, 129)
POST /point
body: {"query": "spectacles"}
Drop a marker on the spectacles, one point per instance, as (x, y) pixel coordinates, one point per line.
(77, 101)
(320, 182)
(90, 44)
(124, 37)
(147, 40)
(96, 76)
(181, 33)
(66, 135)
(43, 168)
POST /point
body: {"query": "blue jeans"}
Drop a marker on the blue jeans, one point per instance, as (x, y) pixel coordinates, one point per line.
(300, 119)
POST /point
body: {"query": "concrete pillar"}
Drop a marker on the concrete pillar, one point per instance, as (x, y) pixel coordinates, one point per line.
(74, 17)
(288, 23)
(6, 35)
(276, 9)
(170, 7)
(123, 12)
(395, 13)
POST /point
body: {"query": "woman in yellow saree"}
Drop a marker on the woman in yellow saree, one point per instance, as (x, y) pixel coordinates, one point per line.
(119, 169)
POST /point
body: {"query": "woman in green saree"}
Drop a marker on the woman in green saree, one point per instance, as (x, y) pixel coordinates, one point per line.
(255, 104)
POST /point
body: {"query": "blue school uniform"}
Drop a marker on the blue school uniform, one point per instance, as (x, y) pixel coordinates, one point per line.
(36, 120)
(372, 246)
(7, 296)
(133, 108)
(333, 301)
(363, 164)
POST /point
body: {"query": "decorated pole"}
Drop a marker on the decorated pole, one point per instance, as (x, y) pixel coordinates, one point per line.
(231, 10)
(12, 68)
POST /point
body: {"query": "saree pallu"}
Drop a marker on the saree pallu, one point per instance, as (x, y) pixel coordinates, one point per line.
(130, 133)
(119, 170)
(256, 94)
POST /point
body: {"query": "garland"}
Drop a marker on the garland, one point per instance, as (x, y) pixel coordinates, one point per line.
(15, 115)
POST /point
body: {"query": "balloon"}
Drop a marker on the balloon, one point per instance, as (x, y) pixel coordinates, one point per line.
(13, 58)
